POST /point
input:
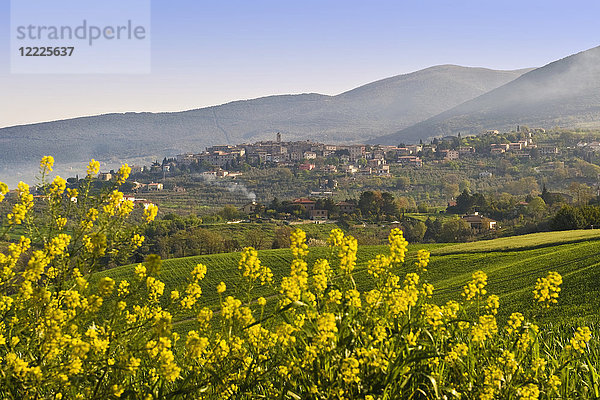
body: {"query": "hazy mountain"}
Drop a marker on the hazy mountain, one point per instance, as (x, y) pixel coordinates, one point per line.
(564, 93)
(365, 112)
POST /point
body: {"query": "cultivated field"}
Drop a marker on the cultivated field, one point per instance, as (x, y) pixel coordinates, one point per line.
(512, 265)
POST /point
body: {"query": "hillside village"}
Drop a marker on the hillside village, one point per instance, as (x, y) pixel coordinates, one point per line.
(229, 160)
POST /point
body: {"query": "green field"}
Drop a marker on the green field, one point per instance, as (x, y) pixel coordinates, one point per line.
(512, 264)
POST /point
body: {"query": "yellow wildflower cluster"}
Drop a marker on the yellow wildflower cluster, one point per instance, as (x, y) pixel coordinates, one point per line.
(422, 260)
(529, 392)
(580, 339)
(476, 287)
(335, 237)
(294, 285)
(252, 268)
(70, 331)
(3, 190)
(58, 186)
(193, 291)
(123, 174)
(298, 243)
(150, 212)
(547, 289)
(321, 272)
(379, 265)
(22, 207)
(398, 245)
(93, 168)
(514, 322)
(347, 254)
(46, 164)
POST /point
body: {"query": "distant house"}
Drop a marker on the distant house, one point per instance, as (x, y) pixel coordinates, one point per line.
(450, 155)
(104, 176)
(318, 215)
(308, 204)
(310, 155)
(412, 161)
(154, 187)
(306, 167)
(515, 146)
(485, 174)
(346, 207)
(350, 169)
(479, 222)
(383, 170)
(250, 208)
(548, 150)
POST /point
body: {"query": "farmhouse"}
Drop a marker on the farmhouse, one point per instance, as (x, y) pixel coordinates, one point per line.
(479, 222)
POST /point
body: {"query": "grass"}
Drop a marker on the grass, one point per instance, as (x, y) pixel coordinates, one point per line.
(512, 265)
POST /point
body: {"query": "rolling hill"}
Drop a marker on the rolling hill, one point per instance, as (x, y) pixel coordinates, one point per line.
(368, 111)
(512, 265)
(564, 93)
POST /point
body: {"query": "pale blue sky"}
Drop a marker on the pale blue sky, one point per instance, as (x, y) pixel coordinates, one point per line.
(206, 53)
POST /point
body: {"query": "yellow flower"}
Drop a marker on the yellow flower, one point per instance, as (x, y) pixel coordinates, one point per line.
(486, 328)
(347, 254)
(46, 164)
(298, 243)
(123, 174)
(93, 168)
(106, 286)
(230, 307)
(397, 246)
(335, 237)
(350, 370)
(580, 339)
(547, 289)
(353, 298)
(492, 304)
(221, 287)
(137, 240)
(252, 268)
(3, 190)
(262, 301)
(554, 382)
(476, 286)
(140, 271)
(326, 330)
(379, 265)
(422, 260)
(529, 392)
(150, 212)
(514, 322)
(58, 186)
(411, 338)
(321, 272)
(155, 288)
(117, 390)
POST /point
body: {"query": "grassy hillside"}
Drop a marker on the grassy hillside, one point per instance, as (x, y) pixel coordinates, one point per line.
(512, 264)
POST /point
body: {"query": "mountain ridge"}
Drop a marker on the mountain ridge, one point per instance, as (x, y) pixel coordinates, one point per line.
(565, 92)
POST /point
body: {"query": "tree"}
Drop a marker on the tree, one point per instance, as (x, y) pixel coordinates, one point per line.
(282, 237)
(456, 230)
(369, 203)
(536, 208)
(229, 213)
(567, 218)
(434, 229)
